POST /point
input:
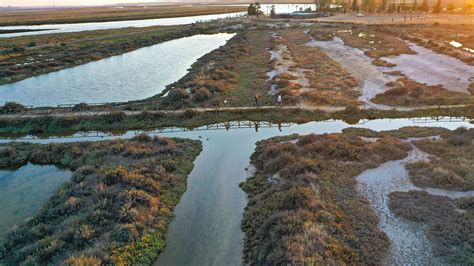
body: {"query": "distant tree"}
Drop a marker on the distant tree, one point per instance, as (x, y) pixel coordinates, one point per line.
(415, 5)
(424, 6)
(251, 9)
(322, 5)
(437, 7)
(467, 7)
(272, 11)
(451, 7)
(354, 5)
(254, 9)
(258, 8)
(383, 6)
(391, 8)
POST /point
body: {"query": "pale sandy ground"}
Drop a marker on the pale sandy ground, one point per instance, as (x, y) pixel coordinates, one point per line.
(400, 18)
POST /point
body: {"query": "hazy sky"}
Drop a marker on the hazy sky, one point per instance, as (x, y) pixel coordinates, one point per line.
(66, 2)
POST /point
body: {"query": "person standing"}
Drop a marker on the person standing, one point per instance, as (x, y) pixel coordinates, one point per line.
(279, 100)
(255, 100)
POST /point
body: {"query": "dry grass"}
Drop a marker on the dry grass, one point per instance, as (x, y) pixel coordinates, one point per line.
(406, 92)
(115, 209)
(437, 37)
(100, 14)
(329, 83)
(303, 205)
(453, 164)
(375, 43)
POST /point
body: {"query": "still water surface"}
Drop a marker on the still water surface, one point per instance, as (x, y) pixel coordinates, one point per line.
(25, 190)
(132, 76)
(76, 27)
(206, 230)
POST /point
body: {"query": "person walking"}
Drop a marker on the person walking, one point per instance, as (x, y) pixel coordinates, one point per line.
(255, 100)
(279, 101)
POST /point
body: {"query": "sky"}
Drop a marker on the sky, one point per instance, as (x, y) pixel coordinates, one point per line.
(66, 2)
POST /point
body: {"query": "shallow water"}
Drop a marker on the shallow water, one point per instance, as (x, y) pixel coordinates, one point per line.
(132, 76)
(24, 191)
(409, 243)
(206, 230)
(432, 68)
(76, 27)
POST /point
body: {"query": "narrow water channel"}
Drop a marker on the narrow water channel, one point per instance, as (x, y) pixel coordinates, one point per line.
(132, 76)
(25, 190)
(77, 27)
(206, 230)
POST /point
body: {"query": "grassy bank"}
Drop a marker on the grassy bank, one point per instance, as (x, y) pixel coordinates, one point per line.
(102, 14)
(115, 210)
(29, 56)
(303, 205)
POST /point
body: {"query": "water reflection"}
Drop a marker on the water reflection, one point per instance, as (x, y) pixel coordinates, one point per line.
(76, 27)
(206, 230)
(25, 190)
(132, 76)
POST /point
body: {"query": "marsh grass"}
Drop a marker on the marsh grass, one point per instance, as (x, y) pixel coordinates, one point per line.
(116, 208)
(406, 92)
(453, 164)
(313, 214)
(450, 223)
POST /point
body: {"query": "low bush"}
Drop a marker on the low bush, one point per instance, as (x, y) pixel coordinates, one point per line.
(12, 108)
(303, 205)
(117, 200)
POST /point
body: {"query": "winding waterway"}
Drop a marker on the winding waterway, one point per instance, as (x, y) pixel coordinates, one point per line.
(132, 76)
(206, 230)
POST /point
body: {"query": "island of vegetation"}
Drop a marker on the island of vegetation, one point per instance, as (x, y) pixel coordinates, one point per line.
(304, 207)
(116, 208)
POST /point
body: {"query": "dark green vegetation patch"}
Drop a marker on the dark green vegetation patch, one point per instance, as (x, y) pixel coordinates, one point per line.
(450, 222)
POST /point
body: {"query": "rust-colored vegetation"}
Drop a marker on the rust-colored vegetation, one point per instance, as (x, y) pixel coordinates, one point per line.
(438, 37)
(313, 77)
(375, 42)
(115, 210)
(211, 76)
(406, 92)
(303, 205)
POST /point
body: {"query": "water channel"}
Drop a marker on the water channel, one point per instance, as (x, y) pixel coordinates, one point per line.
(77, 27)
(206, 230)
(131, 76)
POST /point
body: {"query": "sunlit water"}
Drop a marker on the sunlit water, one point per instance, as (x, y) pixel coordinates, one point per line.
(76, 27)
(206, 230)
(24, 191)
(132, 76)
